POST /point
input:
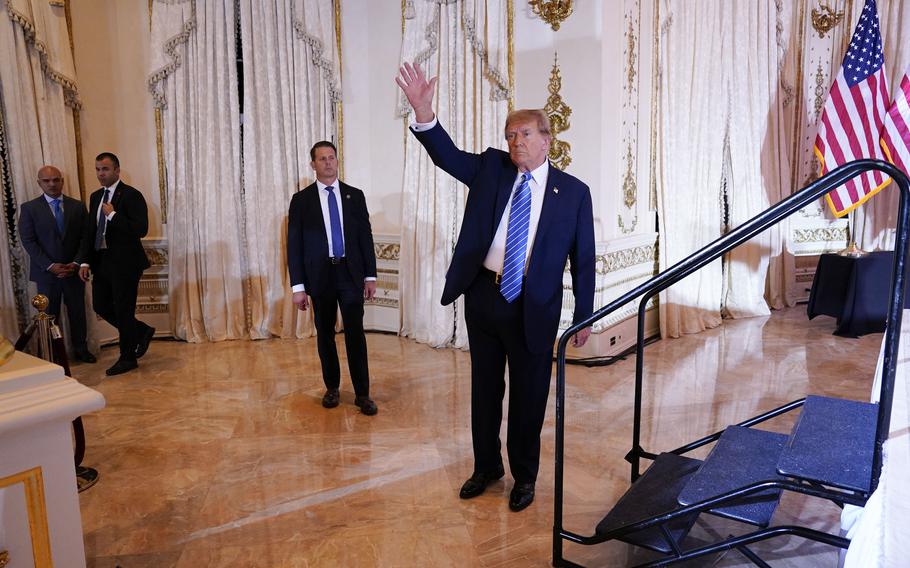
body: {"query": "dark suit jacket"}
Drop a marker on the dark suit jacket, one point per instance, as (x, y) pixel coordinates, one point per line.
(123, 233)
(565, 231)
(308, 247)
(44, 243)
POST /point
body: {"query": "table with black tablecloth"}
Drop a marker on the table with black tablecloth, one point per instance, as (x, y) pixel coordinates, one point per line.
(856, 291)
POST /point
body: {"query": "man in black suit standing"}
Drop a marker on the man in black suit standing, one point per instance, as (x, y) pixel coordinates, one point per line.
(52, 228)
(523, 220)
(331, 260)
(114, 253)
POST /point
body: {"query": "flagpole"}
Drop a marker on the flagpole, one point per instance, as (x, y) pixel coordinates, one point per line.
(852, 250)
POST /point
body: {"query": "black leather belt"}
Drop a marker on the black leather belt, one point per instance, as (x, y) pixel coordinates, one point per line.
(494, 277)
(336, 259)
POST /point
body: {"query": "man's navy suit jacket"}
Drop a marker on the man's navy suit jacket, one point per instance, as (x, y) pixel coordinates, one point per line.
(308, 246)
(565, 231)
(44, 243)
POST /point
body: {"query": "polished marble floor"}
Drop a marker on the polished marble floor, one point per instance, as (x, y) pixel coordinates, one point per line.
(220, 454)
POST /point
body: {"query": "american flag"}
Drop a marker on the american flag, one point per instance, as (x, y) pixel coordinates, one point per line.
(852, 121)
(896, 133)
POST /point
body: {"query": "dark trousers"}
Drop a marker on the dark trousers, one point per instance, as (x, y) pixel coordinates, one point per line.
(71, 291)
(114, 299)
(344, 293)
(496, 335)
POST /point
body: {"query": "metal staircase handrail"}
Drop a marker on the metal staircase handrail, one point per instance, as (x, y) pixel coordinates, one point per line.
(708, 254)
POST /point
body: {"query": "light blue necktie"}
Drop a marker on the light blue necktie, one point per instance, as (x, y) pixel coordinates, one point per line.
(335, 222)
(513, 266)
(58, 215)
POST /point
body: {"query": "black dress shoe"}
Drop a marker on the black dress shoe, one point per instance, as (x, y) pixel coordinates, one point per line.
(366, 405)
(477, 483)
(85, 356)
(144, 341)
(330, 398)
(522, 495)
(122, 366)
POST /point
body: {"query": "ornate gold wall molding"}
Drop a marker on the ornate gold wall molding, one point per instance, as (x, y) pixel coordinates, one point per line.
(387, 251)
(36, 508)
(820, 235)
(77, 122)
(553, 12)
(559, 113)
(340, 108)
(825, 19)
(621, 259)
(627, 218)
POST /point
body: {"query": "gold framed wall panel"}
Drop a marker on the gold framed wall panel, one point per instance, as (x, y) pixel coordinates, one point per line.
(36, 507)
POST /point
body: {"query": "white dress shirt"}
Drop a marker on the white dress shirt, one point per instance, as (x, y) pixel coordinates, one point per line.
(538, 184)
(111, 191)
(327, 221)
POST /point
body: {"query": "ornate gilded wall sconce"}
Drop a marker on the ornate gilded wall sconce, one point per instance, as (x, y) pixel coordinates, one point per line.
(825, 19)
(553, 12)
(558, 112)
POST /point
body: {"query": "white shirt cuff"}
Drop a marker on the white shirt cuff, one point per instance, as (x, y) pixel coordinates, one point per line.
(111, 216)
(298, 288)
(370, 279)
(423, 126)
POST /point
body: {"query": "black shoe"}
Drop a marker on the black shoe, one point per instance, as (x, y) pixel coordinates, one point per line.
(478, 482)
(330, 398)
(122, 366)
(85, 356)
(522, 495)
(366, 405)
(144, 341)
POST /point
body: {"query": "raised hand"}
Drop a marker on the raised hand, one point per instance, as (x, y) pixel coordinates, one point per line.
(418, 90)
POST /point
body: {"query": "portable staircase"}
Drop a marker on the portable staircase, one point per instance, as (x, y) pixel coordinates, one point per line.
(834, 451)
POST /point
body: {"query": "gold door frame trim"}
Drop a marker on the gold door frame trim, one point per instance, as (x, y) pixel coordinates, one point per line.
(159, 149)
(77, 123)
(339, 126)
(35, 505)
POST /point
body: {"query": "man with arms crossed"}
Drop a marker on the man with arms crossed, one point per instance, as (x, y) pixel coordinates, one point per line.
(523, 219)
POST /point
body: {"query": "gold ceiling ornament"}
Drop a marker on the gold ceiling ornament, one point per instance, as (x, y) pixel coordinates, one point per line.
(825, 19)
(558, 112)
(553, 12)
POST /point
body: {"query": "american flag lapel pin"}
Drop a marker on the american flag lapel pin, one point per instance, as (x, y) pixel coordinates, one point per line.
(556, 190)
(348, 196)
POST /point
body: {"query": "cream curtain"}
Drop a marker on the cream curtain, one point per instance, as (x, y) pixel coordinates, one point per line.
(36, 101)
(723, 126)
(757, 272)
(229, 189)
(194, 83)
(465, 43)
(290, 95)
(691, 131)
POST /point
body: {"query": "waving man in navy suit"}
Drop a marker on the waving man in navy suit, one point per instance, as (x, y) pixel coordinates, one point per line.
(523, 220)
